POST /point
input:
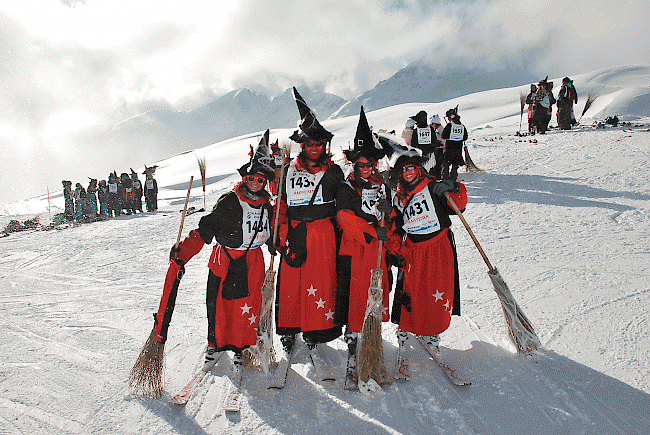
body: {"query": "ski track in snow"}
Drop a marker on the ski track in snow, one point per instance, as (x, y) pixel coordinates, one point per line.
(566, 220)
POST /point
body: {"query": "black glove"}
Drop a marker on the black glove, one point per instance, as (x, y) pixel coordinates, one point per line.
(396, 260)
(382, 234)
(444, 186)
(384, 206)
(271, 247)
(173, 253)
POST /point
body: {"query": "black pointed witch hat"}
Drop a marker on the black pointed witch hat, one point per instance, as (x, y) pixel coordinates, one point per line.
(261, 161)
(308, 126)
(364, 142)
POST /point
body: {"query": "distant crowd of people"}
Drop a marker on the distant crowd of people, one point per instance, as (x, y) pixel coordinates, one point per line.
(540, 103)
(119, 195)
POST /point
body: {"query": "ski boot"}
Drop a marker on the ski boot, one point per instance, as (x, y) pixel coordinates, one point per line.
(432, 343)
(288, 341)
(210, 359)
(402, 367)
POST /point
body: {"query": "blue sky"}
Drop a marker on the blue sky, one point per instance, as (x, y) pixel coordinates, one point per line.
(70, 70)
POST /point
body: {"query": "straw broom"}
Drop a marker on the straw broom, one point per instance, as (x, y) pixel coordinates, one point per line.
(520, 329)
(590, 99)
(371, 352)
(263, 349)
(201, 162)
(470, 166)
(146, 377)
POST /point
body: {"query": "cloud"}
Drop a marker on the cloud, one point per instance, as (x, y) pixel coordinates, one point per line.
(111, 60)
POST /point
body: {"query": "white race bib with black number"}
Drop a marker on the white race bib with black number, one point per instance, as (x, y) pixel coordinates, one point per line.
(149, 184)
(136, 185)
(112, 187)
(250, 223)
(424, 136)
(420, 215)
(300, 187)
(457, 132)
(370, 199)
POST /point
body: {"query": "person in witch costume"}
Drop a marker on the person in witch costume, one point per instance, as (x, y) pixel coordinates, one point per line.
(68, 212)
(455, 135)
(102, 196)
(150, 188)
(79, 195)
(240, 223)
(428, 291)
(306, 285)
(137, 191)
(113, 195)
(361, 203)
(91, 198)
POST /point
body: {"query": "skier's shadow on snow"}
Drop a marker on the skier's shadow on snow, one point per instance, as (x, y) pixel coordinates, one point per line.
(549, 393)
(495, 188)
(174, 415)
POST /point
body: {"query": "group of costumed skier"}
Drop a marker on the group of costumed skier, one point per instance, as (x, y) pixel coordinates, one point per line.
(331, 231)
(540, 103)
(119, 195)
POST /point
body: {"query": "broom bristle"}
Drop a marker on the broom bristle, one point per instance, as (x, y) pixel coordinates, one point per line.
(520, 329)
(522, 100)
(471, 167)
(146, 378)
(590, 99)
(371, 353)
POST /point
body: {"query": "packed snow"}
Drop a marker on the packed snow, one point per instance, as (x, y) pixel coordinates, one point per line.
(564, 216)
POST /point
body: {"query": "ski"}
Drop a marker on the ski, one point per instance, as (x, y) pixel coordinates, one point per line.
(351, 374)
(188, 390)
(402, 370)
(232, 401)
(434, 351)
(186, 393)
(280, 374)
(323, 369)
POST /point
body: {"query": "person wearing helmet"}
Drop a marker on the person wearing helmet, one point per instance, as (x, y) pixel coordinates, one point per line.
(240, 223)
(102, 196)
(69, 200)
(436, 126)
(428, 293)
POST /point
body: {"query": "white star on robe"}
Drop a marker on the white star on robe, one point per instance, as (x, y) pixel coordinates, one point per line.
(447, 304)
(329, 315)
(385, 311)
(438, 295)
(311, 290)
(252, 318)
(320, 303)
(245, 309)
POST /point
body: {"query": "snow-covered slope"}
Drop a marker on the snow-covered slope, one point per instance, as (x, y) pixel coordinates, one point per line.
(566, 220)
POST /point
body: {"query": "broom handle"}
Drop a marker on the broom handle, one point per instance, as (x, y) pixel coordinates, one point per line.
(381, 242)
(471, 233)
(187, 199)
(276, 224)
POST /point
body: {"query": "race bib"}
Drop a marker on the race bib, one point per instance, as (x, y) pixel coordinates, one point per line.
(457, 132)
(424, 136)
(278, 160)
(112, 188)
(251, 225)
(149, 184)
(136, 185)
(370, 199)
(420, 214)
(129, 189)
(300, 187)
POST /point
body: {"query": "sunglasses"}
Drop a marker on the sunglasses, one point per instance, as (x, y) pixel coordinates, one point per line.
(409, 168)
(313, 143)
(251, 178)
(365, 165)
